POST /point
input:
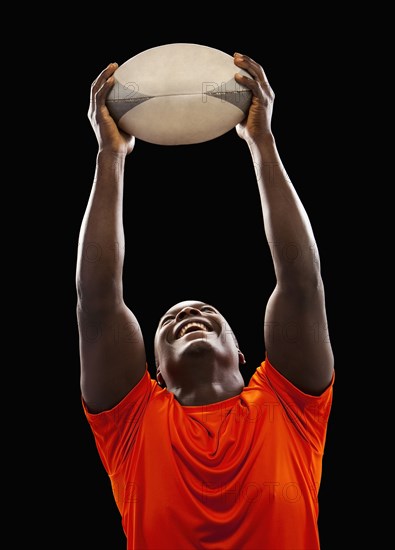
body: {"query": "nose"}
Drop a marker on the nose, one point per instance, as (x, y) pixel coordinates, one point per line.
(187, 312)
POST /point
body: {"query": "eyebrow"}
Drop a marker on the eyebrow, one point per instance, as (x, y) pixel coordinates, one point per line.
(174, 313)
(166, 316)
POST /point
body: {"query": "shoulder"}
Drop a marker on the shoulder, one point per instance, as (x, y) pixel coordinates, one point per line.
(136, 399)
(268, 377)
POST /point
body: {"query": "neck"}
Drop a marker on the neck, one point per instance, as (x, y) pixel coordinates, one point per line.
(206, 393)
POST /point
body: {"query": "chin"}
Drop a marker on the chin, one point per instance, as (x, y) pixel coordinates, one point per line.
(198, 347)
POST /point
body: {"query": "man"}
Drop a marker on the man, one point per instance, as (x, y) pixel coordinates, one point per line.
(196, 459)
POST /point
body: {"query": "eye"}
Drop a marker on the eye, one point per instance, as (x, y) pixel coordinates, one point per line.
(209, 309)
(167, 320)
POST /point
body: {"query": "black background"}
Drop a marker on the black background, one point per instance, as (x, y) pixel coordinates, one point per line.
(193, 230)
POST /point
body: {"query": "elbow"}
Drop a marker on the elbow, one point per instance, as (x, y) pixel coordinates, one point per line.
(302, 280)
(97, 299)
(307, 286)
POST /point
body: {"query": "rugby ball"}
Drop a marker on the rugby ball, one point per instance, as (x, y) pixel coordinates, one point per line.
(178, 94)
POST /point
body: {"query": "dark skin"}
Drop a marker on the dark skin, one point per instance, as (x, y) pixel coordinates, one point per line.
(197, 356)
(201, 366)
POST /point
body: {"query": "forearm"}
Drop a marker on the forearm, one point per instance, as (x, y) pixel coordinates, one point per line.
(101, 241)
(287, 226)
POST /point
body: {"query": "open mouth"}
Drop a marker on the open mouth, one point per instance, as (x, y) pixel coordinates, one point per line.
(192, 326)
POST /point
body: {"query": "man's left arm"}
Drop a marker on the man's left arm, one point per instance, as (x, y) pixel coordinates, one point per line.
(296, 335)
(296, 332)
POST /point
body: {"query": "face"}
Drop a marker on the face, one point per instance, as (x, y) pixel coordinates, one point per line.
(193, 340)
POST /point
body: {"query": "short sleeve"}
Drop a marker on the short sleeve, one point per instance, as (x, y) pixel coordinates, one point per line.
(115, 430)
(309, 414)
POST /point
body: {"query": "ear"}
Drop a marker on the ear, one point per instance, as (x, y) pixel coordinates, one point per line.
(159, 379)
(242, 360)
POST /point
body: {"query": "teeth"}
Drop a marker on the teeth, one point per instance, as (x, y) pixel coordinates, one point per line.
(189, 325)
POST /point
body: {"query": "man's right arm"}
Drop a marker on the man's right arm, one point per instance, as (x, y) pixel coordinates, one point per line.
(112, 350)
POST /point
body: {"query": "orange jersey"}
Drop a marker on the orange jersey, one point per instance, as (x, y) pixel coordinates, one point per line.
(241, 474)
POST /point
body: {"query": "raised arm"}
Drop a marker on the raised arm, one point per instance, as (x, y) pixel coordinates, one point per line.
(296, 335)
(112, 350)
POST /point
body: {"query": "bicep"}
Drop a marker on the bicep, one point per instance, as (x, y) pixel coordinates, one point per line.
(112, 356)
(297, 338)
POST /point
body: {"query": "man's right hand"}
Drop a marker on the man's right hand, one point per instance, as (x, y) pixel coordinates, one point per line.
(108, 135)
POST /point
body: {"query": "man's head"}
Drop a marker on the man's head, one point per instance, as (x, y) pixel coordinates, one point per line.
(194, 345)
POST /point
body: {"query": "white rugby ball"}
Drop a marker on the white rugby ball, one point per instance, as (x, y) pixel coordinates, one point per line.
(178, 94)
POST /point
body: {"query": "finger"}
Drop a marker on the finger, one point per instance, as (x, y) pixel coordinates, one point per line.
(252, 84)
(252, 67)
(106, 73)
(100, 82)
